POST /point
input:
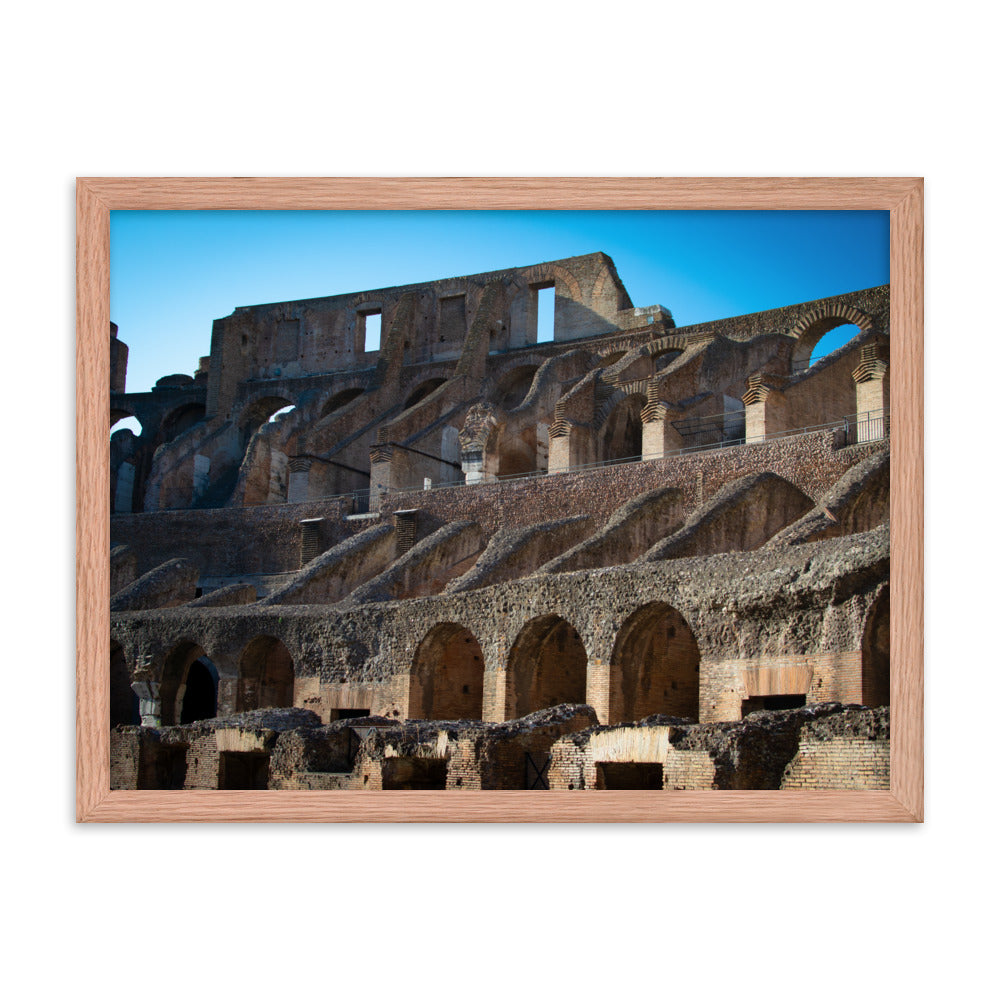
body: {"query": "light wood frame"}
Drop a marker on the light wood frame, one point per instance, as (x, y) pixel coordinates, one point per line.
(901, 197)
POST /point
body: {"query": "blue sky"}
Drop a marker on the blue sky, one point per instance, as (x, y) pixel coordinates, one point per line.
(172, 273)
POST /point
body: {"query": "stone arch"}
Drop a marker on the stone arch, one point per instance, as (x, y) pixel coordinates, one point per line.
(875, 654)
(423, 390)
(257, 412)
(512, 387)
(517, 454)
(174, 680)
(608, 358)
(663, 359)
(547, 666)
(120, 413)
(446, 676)
(816, 323)
(622, 434)
(339, 400)
(124, 701)
(179, 420)
(654, 666)
(266, 675)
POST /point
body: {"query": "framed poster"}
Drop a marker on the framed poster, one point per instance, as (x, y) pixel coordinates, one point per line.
(642, 563)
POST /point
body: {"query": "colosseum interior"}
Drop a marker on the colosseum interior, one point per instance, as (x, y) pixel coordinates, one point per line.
(405, 538)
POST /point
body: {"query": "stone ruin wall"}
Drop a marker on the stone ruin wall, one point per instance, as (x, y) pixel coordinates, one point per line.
(788, 620)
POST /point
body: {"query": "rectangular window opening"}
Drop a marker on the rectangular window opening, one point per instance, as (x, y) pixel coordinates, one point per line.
(772, 703)
(545, 330)
(244, 771)
(372, 325)
(630, 775)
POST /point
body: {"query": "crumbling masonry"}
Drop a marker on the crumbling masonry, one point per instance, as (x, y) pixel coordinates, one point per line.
(477, 554)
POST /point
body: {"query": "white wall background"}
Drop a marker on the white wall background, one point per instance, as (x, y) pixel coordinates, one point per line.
(522, 88)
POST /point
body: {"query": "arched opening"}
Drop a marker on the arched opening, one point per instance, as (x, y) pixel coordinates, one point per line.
(518, 456)
(201, 692)
(875, 654)
(513, 386)
(609, 359)
(124, 422)
(278, 414)
(446, 678)
(622, 437)
(832, 340)
(422, 391)
(654, 667)
(665, 358)
(259, 413)
(267, 677)
(339, 400)
(124, 701)
(823, 335)
(177, 674)
(547, 666)
(181, 420)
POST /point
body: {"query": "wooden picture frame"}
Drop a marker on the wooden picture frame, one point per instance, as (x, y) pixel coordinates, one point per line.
(901, 197)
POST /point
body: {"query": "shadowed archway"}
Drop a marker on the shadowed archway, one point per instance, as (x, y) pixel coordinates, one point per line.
(547, 666)
(654, 666)
(446, 677)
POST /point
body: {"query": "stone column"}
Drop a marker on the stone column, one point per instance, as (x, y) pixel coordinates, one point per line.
(472, 466)
(148, 693)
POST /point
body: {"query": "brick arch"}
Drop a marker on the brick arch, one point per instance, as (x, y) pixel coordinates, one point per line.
(663, 344)
(174, 677)
(422, 390)
(568, 281)
(619, 422)
(811, 327)
(547, 666)
(339, 396)
(180, 419)
(124, 701)
(446, 675)
(258, 409)
(875, 653)
(266, 675)
(654, 666)
(515, 381)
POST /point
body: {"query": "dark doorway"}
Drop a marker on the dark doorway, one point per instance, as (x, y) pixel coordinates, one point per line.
(167, 770)
(201, 692)
(244, 771)
(773, 703)
(630, 775)
(415, 773)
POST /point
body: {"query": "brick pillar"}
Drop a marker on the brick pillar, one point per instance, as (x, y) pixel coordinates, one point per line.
(382, 479)
(871, 380)
(766, 407)
(495, 696)
(599, 689)
(298, 479)
(567, 446)
(658, 435)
